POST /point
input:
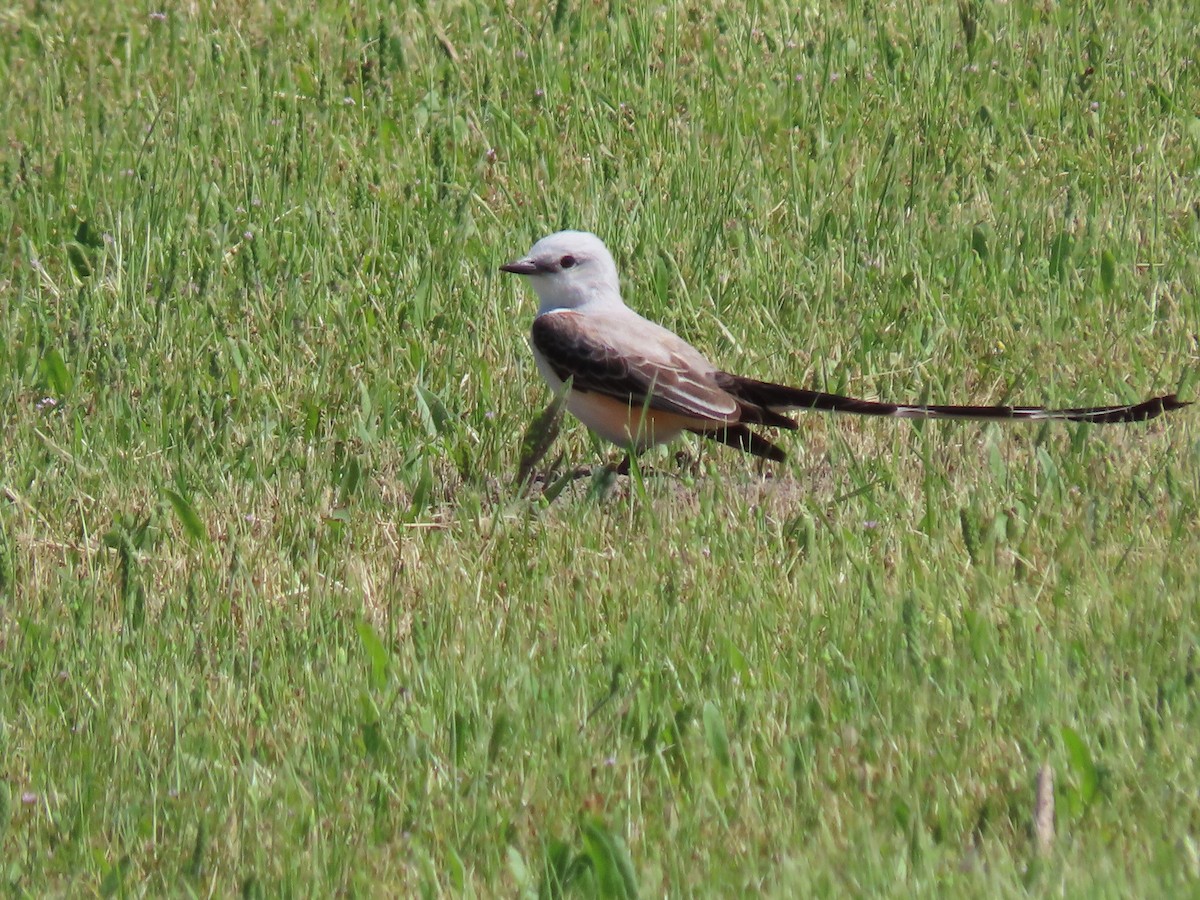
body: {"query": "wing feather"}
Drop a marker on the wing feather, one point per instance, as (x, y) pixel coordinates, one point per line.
(651, 369)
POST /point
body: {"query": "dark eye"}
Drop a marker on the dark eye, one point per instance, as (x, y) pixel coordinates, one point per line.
(567, 261)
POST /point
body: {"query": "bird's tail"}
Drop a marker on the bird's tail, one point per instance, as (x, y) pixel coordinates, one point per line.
(773, 398)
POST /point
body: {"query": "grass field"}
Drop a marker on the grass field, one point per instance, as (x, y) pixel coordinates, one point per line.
(274, 619)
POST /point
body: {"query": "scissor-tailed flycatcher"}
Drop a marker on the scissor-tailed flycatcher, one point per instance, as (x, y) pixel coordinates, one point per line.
(637, 384)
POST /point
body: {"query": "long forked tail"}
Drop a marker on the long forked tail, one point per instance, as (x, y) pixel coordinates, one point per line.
(774, 398)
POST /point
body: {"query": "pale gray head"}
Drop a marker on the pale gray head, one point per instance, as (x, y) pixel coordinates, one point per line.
(569, 269)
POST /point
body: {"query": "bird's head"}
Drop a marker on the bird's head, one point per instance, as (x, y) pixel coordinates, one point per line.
(569, 269)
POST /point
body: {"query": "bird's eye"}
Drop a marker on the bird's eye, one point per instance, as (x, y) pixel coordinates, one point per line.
(567, 261)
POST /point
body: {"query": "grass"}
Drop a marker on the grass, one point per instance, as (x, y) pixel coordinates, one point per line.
(274, 619)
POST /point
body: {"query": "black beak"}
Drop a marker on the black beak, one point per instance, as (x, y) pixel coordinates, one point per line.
(520, 267)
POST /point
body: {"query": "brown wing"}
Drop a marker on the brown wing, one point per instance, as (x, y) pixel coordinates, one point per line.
(666, 379)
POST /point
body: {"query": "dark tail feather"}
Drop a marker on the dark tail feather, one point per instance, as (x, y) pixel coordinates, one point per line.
(1134, 412)
(774, 397)
(743, 438)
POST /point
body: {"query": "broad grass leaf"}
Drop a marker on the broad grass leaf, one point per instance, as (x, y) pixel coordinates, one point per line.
(1108, 271)
(458, 871)
(371, 725)
(1060, 254)
(351, 477)
(1079, 759)
(87, 236)
(519, 871)
(561, 869)
(502, 729)
(417, 310)
(312, 420)
(79, 261)
(55, 372)
(979, 243)
(421, 486)
(715, 734)
(114, 879)
(186, 514)
(462, 730)
(433, 412)
(610, 861)
(377, 654)
(1049, 470)
(390, 135)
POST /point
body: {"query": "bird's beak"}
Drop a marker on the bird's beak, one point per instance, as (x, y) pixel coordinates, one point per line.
(524, 266)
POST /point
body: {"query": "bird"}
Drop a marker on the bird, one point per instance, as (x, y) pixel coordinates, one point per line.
(637, 384)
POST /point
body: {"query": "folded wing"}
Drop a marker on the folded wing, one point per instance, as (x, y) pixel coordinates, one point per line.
(609, 357)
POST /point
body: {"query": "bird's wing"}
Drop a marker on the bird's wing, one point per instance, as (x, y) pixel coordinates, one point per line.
(632, 360)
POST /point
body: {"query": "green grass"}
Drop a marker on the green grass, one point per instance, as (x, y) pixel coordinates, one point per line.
(273, 618)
